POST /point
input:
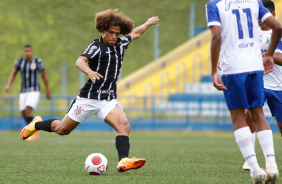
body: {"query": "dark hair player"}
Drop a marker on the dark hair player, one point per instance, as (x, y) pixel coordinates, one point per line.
(98, 96)
(29, 67)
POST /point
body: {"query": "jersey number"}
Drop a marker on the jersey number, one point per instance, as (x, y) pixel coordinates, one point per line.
(248, 13)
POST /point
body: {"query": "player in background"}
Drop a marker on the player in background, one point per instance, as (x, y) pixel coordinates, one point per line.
(98, 96)
(29, 67)
(235, 40)
(272, 81)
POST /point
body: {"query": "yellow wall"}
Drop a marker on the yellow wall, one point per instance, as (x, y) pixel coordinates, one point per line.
(169, 74)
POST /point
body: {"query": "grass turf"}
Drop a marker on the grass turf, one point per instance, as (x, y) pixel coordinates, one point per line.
(172, 157)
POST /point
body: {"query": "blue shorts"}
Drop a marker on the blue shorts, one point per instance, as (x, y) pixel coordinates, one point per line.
(274, 101)
(244, 90)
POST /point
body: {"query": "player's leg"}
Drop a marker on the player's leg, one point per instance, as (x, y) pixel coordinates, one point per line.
(32, 99)
(274, 101)
(117, 119)
(265, 138)
(63, 127)
(279, 127)
(23, 114)
(237, 101)
(28, 114)
(252, 127)
(243, 136)
(31, 102)
(250, 121)
(256, 95)
(22, 106)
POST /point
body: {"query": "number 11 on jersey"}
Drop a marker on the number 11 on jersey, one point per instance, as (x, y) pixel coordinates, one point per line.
(248, 13)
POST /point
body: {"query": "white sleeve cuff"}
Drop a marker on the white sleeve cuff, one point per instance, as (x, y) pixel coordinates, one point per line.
(277, 50)
(214, 24)
(265, 17)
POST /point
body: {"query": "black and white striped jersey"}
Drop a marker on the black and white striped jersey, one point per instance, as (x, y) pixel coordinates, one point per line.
(107, 61)
(29, 73)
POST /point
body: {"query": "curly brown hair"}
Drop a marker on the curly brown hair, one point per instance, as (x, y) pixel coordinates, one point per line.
(110, 17)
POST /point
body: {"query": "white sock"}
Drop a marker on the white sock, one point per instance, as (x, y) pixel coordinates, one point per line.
(244, 140)
(266, 141)
(254, 139)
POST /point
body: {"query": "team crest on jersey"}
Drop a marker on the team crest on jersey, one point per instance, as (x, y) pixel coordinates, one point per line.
(33, 66)
(121, 49)
(78, 111)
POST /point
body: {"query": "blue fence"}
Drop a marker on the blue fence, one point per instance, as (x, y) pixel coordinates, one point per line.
(174, 112)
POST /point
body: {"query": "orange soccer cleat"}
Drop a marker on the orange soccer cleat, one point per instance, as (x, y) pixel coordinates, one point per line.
(29, 129)
(33, 137)
(130, 163)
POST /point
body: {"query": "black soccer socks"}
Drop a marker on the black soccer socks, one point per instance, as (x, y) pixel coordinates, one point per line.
(28, 119)
(44, 125)
(123, 146)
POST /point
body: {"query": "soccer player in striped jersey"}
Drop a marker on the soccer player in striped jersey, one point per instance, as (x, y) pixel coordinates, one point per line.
(29, 67)
(235, 40)
(98, 96)
(272, 81)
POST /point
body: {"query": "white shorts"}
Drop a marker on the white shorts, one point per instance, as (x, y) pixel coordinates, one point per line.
(83, 108)
(30, 99)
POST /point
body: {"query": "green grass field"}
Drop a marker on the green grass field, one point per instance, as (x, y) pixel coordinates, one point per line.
(172, 157)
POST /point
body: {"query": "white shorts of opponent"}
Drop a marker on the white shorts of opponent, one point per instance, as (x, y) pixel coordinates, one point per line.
(83, 108)
(30, 99)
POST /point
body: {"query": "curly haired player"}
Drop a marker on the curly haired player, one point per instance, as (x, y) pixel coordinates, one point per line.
(98, 96)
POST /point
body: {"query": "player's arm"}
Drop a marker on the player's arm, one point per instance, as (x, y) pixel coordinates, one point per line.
(215, 50)
(81, 64)
(275, 38)
(11, 80)
(46, 83)
(137, 32)
(278, 58)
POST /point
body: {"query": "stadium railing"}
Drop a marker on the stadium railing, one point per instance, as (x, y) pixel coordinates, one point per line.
(194, 112)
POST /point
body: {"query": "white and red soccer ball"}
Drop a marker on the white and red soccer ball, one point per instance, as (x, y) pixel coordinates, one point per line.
(96, 164)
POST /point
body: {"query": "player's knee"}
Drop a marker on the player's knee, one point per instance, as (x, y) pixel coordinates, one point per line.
(63, 131)
(125, 123)
(125, 126)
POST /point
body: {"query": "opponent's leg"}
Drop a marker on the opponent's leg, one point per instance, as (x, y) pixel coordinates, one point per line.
(266, 141)
(252, 127)
(118, 120)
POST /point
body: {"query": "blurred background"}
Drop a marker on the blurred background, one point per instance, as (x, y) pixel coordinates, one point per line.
(165, 82)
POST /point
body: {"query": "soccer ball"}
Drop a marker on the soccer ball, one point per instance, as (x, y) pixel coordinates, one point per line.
(96, 164)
